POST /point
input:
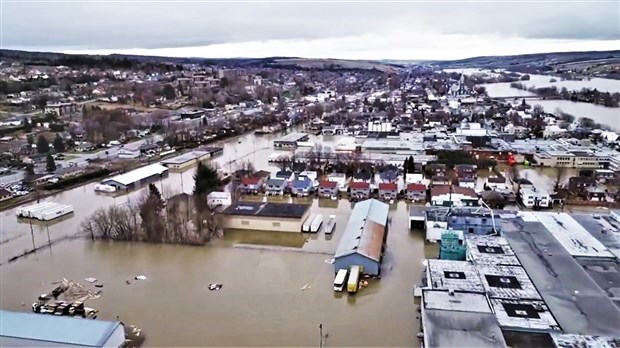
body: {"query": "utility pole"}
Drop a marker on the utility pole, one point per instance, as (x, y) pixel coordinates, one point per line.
(321, 333)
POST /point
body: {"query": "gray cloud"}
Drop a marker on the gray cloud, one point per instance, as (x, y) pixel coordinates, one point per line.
(140, 24)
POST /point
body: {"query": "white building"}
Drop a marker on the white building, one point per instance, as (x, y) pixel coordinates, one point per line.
(129, 151)
(217, 198)
(532, 196)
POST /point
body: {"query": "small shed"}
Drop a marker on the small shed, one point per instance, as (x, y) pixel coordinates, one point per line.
(364, 238)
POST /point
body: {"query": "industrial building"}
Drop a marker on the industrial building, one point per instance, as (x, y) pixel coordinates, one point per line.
(290, 140)
(264, 216)
(186, 160)
(459, 319)
(364, 237)
(137, 177)
(38, 330)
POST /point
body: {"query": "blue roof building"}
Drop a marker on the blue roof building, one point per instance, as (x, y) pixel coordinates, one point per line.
(364, 238)
(302, 186)
(40, 330)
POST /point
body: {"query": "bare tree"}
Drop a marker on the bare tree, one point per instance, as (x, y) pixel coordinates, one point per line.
(560, 174)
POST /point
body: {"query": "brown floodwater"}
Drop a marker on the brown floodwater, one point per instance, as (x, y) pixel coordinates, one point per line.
(261, 302)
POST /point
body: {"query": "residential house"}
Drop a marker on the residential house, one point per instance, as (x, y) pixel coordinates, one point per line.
(285, 175)
(467, 182)
(86, 146)
(388, 191)
(416, 192)
(359, 190)
(362, 176)
(263, 175)
(532, 197)
(466, 171)
(437, 169)
(302, 186)
(577, 185)
(389, 175)
(339, 178)
(456, 196)
(328, 189)
(275, 187)
(596, 194)
(440, 180)
(5, 194)
(496, 183)
(251, 185)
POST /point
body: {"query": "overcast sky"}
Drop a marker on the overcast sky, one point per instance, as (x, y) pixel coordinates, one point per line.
(318, 29)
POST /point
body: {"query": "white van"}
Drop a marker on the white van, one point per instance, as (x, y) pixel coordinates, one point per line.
(341, 279)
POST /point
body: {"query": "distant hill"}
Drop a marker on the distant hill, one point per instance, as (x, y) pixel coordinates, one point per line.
(127, 61)
(532, 60)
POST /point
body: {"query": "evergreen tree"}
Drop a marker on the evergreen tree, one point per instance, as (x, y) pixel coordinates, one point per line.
(51, 165)
(59, 144)
(206, 180)
(43, 146)
(411, 167)
(29, 169)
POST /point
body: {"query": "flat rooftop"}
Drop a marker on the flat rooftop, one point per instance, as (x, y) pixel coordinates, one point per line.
(490, 250)
(605, 229)
(463, 320)
(262, 209)
(454, 275)
(292, 137)
(523, 315)
(507, 282)
(186, 157)
(605, 273)
(574, 238)
(557, 276)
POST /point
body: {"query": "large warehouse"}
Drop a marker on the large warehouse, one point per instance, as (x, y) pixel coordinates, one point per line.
(137, 177)
(264, 216)
(38, 330)
(364, 237)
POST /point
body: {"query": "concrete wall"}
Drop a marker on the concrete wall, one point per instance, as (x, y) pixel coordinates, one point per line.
(370, 266)
(264, 223)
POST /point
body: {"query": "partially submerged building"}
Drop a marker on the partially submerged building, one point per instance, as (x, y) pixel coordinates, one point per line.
(364, 237)
(137, 177)
(37, 330)
(264, 216)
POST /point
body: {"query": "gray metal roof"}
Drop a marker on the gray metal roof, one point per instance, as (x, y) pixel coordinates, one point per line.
(507, 282)
(357, 237)
(575, 239)
(557, 276)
